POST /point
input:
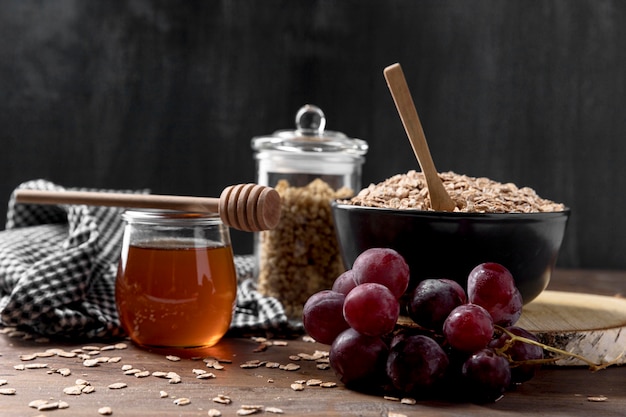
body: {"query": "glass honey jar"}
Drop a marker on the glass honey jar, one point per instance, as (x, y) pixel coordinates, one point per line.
(309, 167)
(176, 285)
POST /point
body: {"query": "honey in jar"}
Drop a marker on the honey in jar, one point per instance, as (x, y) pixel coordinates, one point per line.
(176, 285)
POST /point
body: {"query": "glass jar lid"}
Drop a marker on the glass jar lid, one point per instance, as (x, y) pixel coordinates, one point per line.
(310, 137)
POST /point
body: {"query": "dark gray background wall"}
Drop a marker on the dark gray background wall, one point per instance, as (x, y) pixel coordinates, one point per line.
(167, 94)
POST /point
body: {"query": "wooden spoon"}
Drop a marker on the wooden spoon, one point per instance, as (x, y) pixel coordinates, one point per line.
(439, 198)
(247, 207)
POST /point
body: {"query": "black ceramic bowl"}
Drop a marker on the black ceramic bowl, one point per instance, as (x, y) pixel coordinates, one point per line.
(450, 245)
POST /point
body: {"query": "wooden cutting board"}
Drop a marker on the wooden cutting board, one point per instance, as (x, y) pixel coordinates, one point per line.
(593, 326)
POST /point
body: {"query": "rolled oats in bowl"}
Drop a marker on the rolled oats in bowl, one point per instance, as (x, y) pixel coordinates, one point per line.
(471, 195)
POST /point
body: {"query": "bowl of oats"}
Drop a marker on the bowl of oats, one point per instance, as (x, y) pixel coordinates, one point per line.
(492, 222)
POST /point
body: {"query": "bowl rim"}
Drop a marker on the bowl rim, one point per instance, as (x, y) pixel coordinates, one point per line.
(454, 214)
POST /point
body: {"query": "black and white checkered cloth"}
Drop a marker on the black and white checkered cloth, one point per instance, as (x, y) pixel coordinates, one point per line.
(58, 265)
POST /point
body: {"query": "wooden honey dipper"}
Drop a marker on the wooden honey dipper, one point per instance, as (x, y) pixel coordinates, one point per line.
(247, 207)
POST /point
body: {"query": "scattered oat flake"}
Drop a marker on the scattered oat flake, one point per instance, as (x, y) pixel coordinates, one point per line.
(198, 371)
(328, 384)
(73, 390)
(222, 399)
(308, 339)
(89, 348)
(50, 406)
(297, 387)
(291, 367)
(3, 382)
(45, 354)
(208, 375)
(64, 371)
(117, 385)
(408, 401)
(126, 367)
(213, 412)
(19, 367)
(394, 414)
(35, 366)
(280, 343)
(159, 374)
(7, 391)
(163, 394)
(273, 410)
(105, 411)
(28, 357)
(250, 364)
(294, 358)
(132, 371)
(64, 354)
(115, 359)
(121, 346)
(597, 398)
(89, 363)
(182, 401)
(172, 358)
(246, 410)
(272, 365)
(142, 374)
(37, 403)
(390, 398)
(323, 366)
(314, 382)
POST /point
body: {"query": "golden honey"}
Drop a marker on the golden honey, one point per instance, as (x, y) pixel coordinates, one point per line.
(176, 293)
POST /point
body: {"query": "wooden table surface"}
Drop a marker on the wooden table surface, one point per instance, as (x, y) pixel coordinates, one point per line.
(562, 391)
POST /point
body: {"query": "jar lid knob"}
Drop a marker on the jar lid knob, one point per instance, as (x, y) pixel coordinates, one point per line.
(310, 120)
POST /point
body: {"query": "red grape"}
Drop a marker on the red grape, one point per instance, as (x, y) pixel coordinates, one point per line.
(492, 286)
(384, 266)
(468, 328)
(371, 309)
(416, 363)
(322, 316)
(345, 282)
(459, 289)
(431, 302)
(357, 359)
(520, 351)
(486, 376)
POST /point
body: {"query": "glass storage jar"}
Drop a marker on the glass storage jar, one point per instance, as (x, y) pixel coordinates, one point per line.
(176, 285)
(309, 167)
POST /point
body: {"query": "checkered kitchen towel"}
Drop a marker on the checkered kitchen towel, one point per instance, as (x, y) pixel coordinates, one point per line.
(58, 265)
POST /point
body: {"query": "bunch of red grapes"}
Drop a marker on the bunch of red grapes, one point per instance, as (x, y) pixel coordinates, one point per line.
(456, 349)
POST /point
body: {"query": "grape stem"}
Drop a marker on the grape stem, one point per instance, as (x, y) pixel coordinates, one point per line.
(563, 353)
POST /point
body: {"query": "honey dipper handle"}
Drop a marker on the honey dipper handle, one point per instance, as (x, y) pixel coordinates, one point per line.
(256, 208)
(165, 202)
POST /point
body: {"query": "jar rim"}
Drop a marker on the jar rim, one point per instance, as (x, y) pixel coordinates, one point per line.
(170, 217)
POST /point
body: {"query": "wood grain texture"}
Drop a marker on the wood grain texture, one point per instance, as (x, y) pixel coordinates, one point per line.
(553, 392)
(593, 326)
